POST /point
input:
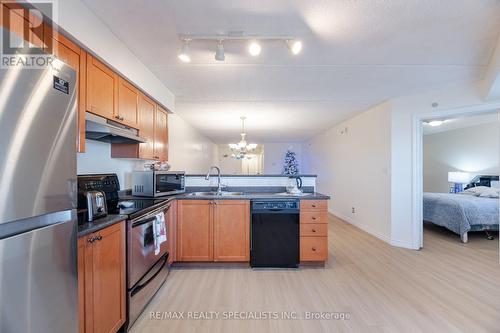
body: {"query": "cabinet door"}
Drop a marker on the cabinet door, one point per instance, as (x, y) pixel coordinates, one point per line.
(128, 99)
(232, 230)
(147, 113)
(81, 284)
(195, 230)
(108, 279)
(161, 135)
(74, 56)
(101, 88)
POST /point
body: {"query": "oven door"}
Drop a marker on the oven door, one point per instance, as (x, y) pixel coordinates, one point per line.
(141, 249)
(168, 183)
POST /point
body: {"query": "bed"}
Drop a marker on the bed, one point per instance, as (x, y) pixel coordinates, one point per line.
(464, 212)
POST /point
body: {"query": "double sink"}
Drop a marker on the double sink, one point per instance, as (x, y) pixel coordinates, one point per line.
(213, 193)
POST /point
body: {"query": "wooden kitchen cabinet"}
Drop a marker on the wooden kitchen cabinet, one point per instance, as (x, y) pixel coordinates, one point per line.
(76, 57)
(128, 103)
(27, 26)
(210, 230)
(195, 230)
(102, 90)
(232, 230)
(153, 126)
(161, 134)
(101, 273)
(313, 230)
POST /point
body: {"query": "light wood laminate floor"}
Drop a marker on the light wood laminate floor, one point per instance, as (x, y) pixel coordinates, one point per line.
(446, 287)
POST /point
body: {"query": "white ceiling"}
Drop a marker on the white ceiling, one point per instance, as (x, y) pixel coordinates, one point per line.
(356, 54)
(462, 122)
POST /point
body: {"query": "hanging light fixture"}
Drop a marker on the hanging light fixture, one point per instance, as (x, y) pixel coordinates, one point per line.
(184, 54)
(219, 51)
(295, 46)
(241, 148)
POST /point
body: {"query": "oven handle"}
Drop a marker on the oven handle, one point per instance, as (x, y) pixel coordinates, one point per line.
(143, 285)
(150, 217)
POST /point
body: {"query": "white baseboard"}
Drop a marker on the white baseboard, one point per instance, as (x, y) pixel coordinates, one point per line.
(363, 227)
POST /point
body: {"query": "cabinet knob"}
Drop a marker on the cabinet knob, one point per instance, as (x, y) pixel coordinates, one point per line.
(121, 118)
(313, 230)
(90, 240)
(314, 218)
(314, 249)
(99, 237)
(313, 205)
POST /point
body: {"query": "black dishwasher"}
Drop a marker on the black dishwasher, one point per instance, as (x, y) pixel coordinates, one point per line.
(275, 233)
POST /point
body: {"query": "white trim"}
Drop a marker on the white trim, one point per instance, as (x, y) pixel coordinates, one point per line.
(363, 227)
(417, 174)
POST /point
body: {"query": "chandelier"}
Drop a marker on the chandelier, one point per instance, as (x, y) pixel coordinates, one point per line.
(242, 148)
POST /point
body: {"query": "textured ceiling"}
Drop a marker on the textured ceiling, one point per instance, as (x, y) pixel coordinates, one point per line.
(356, 54)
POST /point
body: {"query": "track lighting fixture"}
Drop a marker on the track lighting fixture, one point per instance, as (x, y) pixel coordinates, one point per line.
(295, 46)
(254, 47)
(219, 51)
(184, 54)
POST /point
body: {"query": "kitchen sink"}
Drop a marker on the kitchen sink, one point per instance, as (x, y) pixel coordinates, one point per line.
(213, 193)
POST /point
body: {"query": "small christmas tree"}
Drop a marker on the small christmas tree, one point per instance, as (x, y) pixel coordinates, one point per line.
(291, 165)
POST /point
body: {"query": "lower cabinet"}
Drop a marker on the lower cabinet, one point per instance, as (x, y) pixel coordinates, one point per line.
(213, 230)
(313, 230)
(101, 274)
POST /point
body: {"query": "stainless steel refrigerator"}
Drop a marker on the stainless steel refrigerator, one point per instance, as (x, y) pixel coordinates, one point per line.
(38, 225)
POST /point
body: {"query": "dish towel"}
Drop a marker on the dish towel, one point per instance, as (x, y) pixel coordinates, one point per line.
(160, 231)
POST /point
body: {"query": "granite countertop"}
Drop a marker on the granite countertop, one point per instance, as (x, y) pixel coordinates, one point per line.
(101, 223)
(258, 195)
(264, 175)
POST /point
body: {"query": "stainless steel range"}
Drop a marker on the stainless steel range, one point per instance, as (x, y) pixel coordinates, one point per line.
(147, 266)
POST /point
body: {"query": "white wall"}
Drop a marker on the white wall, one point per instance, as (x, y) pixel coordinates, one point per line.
(472, 149)
(352, 163)
(97, 159)
(452, 100)
(83, 25)
(274, 156)
(188, 151)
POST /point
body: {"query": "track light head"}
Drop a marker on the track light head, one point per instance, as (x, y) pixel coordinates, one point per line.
(254, 48)
(295, 46)
(184, 54)
(219, 51)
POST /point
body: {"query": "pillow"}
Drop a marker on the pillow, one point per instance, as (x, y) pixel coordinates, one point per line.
(491, 193)
(478, 190)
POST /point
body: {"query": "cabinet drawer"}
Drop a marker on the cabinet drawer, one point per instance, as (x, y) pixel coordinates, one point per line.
(314, 229)
(313, 205)
(313, 248)
(314, 217)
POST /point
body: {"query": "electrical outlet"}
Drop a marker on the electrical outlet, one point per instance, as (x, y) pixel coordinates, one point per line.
(353, 210)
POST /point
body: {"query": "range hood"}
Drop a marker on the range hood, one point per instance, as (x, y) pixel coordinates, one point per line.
(102, 129)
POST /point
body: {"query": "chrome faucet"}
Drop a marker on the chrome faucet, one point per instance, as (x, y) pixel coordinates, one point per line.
(219, 186)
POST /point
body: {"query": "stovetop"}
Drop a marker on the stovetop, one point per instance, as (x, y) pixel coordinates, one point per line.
(133, 205)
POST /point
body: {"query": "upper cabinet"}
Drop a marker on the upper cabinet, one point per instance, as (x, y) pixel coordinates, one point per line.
(153, 126)
(147, 111)
(76, 57)
(101, 88)
(161, 135)
(128, 101)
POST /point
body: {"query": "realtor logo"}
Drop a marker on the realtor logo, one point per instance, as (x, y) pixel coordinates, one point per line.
(26, 42)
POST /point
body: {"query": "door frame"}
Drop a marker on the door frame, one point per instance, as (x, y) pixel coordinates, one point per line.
(418, 159)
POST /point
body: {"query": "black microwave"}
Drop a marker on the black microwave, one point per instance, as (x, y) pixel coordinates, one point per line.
(157, 183)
